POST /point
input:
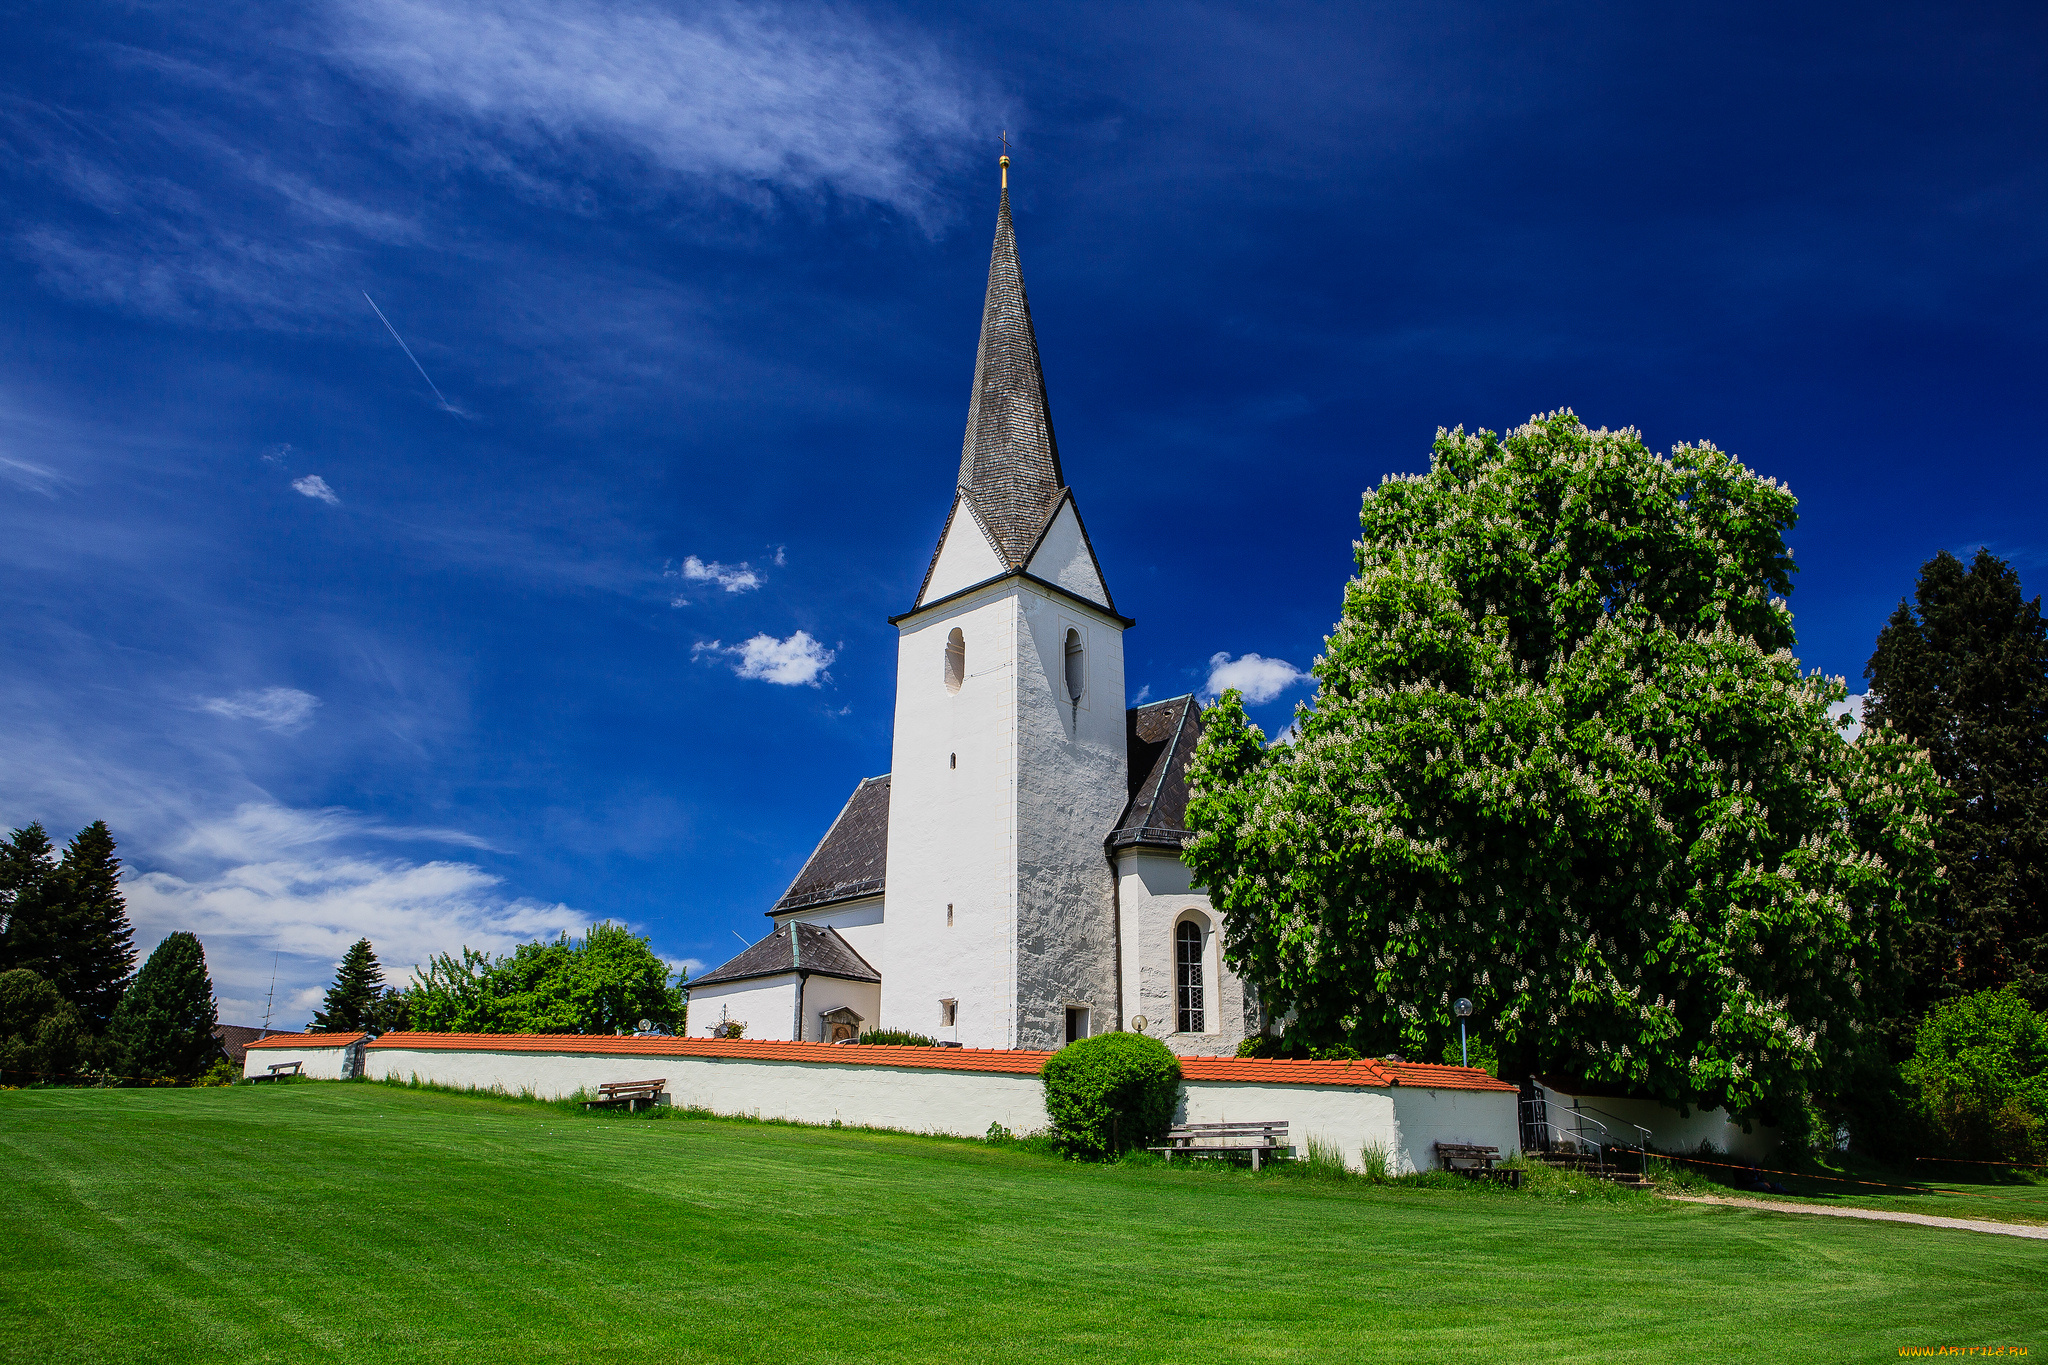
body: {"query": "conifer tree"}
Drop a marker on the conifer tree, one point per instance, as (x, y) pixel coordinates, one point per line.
(354, 992)
(1963, 671)
(97, 951)
(28, 903)
(164, 1024)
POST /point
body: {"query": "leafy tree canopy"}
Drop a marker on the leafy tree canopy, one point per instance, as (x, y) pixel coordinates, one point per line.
(164, 1024)
(28, 919)
(1963, 671)
(1562, 761)
(607, 981)
(1980, 1066)
(353, 995)
(40, 1033)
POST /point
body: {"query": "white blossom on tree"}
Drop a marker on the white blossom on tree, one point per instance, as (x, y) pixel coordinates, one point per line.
(1562, 761)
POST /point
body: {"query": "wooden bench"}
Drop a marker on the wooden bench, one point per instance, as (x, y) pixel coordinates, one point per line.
(1471, 1159)
(280, 1070)
(1224, 1139)
(632, 1094)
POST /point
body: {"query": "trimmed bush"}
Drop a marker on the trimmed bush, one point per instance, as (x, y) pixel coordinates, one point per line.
(1110, 1093)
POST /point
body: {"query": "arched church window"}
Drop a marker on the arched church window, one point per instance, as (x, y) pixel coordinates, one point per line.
(1075, 677)
(1187, 961)
(956, 660)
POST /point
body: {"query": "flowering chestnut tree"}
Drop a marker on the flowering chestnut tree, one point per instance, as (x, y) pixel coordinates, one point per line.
(1562, 761)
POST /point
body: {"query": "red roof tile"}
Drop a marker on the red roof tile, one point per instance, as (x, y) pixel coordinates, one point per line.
(750, 1049)
(1436, 1077)
(1370, 1071)
(1285, 1071)
(309, 1039)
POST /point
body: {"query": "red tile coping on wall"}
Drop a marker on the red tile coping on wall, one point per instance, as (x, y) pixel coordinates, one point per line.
(1370, 1072)
(309, 1039)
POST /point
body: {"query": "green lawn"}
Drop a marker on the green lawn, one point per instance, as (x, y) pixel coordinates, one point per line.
(363, 1222)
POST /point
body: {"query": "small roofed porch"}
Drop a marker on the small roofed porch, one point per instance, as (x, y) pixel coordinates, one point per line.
(802, 983)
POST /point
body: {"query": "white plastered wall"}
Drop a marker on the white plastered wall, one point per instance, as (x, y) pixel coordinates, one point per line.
(952, 825)
(1669, 1131)
(321, 1063)
(765, 1004)
(1062, 557)
(966, 557)
(1155, 892)
(826, 993)
(1406, 1119)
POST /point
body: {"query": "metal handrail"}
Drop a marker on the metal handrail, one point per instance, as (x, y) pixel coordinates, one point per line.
(1580, 1114)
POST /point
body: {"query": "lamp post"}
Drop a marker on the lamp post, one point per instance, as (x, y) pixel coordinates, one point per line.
(1463, 1009)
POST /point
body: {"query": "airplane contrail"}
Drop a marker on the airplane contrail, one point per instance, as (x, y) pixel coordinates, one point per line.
(446, 406)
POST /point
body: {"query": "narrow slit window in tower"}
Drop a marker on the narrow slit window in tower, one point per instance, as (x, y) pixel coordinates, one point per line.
(1075, 677)
(1187, 953)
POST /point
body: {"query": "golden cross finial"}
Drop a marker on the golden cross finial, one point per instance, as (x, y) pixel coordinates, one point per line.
(1005, 161)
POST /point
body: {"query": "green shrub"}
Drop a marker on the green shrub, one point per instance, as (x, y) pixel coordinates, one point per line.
(895, 1037)
(1377, 1161)
(1110, 1093)
(1980, 1070)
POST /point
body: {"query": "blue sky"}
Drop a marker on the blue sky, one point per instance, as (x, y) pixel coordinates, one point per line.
(582, 615)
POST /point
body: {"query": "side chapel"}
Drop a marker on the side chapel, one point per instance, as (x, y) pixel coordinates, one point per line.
(1014, 881)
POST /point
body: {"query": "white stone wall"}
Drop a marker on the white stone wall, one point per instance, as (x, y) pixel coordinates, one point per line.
(1406, 1119)
(859, 922)
(1072, 765)
(1669, 1131)
(765, 1004)
(1424, 1117)
(952, 826)
(824, 993)
(321, 1063)
(1155, 892)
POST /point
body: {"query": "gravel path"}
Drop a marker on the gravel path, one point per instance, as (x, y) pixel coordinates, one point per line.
(1875, 1215)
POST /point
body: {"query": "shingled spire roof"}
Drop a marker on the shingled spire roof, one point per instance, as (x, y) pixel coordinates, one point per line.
(1009, 462)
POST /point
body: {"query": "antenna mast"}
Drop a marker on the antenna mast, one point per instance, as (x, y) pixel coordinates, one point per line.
(273, 992)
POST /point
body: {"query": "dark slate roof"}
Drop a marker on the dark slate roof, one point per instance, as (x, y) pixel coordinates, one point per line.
(849, 861)
(1160, 738)
(234, 1040)
(1009, 461)
(795, 947)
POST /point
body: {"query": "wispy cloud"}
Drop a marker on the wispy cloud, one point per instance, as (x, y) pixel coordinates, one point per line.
(798, 661)
(313, 486)
(283, 709)
(1259, 679)
(732, 96)
(30, 475)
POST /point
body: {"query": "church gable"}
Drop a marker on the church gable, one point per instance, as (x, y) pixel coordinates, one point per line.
(966, 556)
(1064, 556)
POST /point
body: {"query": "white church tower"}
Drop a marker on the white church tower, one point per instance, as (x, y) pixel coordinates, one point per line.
(1015, 880)
(1010, 750)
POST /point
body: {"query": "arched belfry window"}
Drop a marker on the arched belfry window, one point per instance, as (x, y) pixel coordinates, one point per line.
(1076, 677)
(956, 660)
(1187, 963)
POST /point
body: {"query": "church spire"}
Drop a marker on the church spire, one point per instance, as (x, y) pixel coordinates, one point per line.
(1009, 462)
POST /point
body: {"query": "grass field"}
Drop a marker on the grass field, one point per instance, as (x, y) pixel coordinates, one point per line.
(337, 1221)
